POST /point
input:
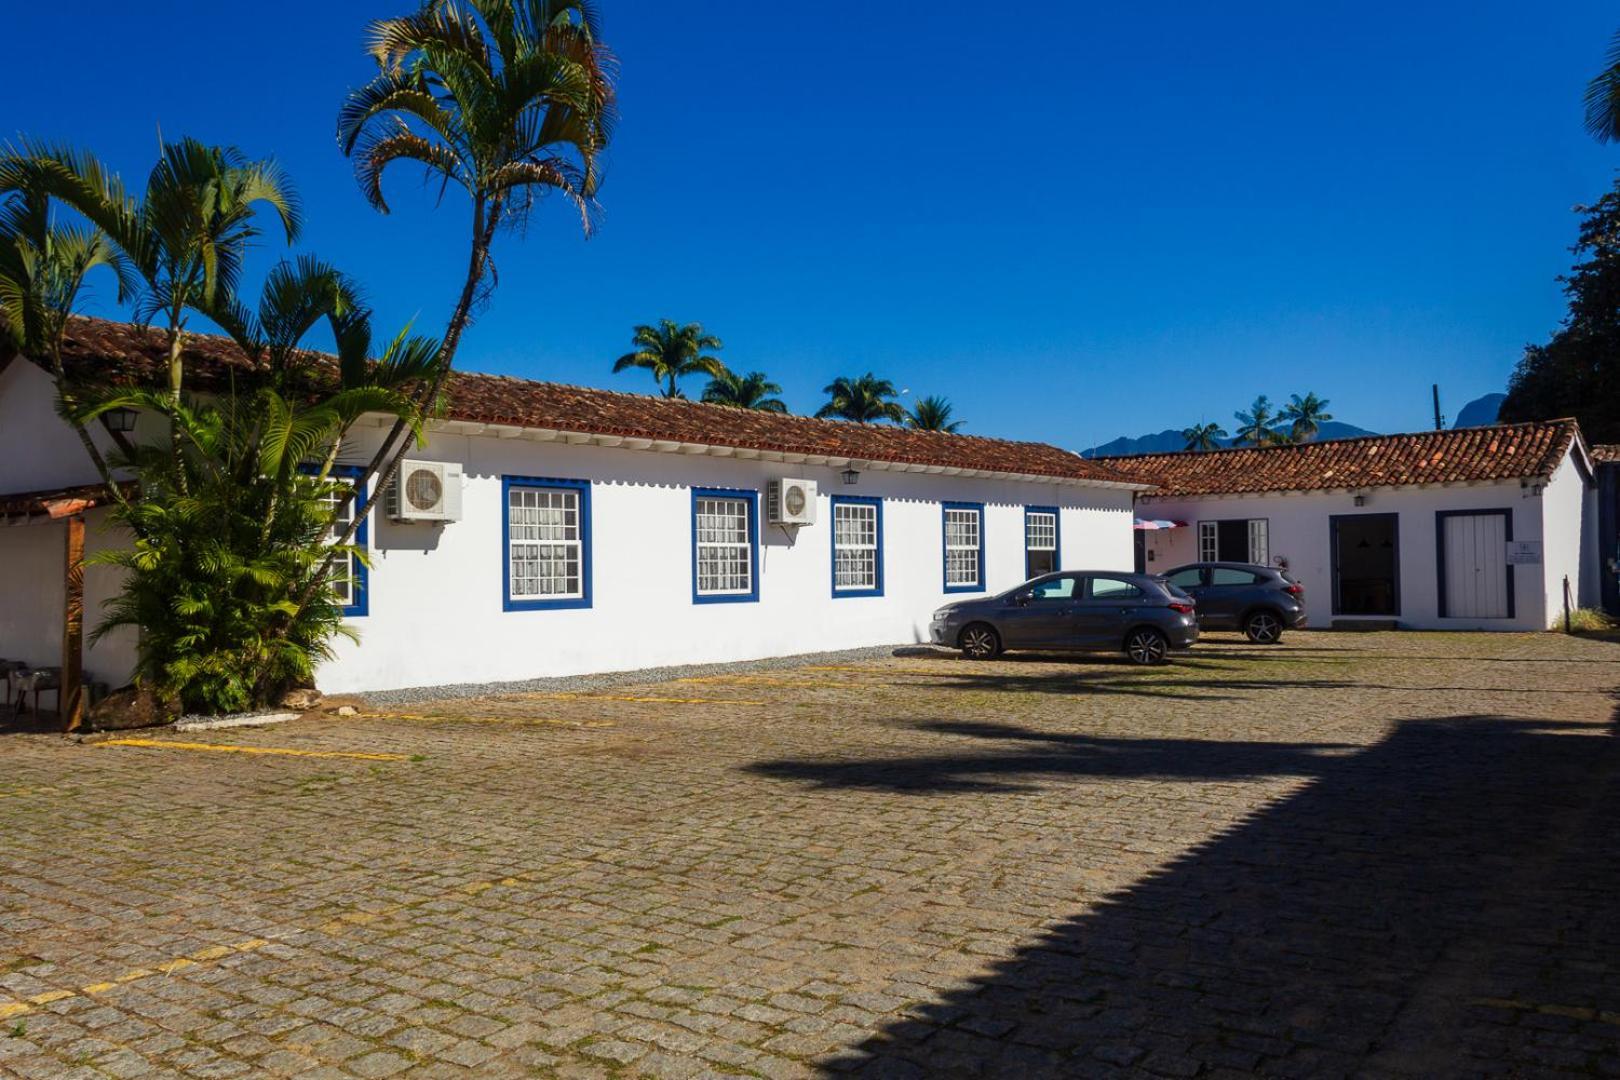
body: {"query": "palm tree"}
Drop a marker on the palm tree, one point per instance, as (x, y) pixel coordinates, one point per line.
(1256, 424)
(43, 266)
(509, 100)
(1304, 416)
(1603, 97)
(1203, 436)
(750, 391)
(671, 352)
(932, 413)
(862, 400)
(186, 236)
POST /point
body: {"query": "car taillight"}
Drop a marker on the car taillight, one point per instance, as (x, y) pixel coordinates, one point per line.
(1295, 590)
(1185, 609)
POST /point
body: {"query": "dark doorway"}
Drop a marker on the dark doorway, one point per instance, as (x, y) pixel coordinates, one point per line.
(1232, 541)
(1141, 553)
(1366, 564)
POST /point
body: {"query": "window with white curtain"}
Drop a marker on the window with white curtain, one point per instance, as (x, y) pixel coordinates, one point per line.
(964, 546)
(545, 543)
(857, 533)
(725, 549)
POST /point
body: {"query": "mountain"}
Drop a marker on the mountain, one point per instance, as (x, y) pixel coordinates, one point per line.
(1170, 440)
(1481, 411)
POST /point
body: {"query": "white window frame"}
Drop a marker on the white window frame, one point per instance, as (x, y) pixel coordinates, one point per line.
(868, 514)
(538, 499)
(1259, 535)
(1046, 522)
(721, 555)
(964, 513)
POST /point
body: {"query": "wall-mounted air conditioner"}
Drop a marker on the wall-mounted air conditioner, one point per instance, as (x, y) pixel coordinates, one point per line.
(790, 502)
(426, 491)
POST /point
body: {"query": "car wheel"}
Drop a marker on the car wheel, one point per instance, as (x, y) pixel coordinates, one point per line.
(1147, 646)
(1263, 628)
(980, 642)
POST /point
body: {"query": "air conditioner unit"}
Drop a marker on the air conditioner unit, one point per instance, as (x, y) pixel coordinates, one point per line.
(426, 491)
(790, 502)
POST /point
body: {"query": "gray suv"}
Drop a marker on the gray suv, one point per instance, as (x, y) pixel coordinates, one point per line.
(1074, 611)
(1261, 601)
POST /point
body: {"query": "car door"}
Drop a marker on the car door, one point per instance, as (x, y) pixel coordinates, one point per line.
(1228, 594)
(1039, 615)
(1109, 603)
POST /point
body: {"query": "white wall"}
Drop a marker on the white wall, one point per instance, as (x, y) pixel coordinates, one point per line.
(32, 572)
(435, 594)
(38, 452)
(435, 606)
(1565, 503)
(1299, 528)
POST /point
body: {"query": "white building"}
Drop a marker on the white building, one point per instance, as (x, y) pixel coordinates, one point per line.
(600, 531)
(1469, 529)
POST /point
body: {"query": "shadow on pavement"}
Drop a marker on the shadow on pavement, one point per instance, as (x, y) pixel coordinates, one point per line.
(1440, 903)
(1026, 756)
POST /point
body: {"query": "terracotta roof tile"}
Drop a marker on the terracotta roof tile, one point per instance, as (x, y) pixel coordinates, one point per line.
(124, 353)
(1500, 452)
(1605, 452)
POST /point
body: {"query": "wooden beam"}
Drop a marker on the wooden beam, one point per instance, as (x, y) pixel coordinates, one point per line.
(70, 698)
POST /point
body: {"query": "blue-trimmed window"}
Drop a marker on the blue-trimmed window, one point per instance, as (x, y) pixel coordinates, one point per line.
(1042, 541)
(962, 525)
(857, 546)
(353, 584)
(546, 543)
(725, 545)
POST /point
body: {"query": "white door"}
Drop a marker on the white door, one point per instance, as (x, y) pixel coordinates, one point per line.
(1476, 579)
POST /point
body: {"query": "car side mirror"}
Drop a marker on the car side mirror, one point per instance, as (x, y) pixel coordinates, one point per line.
(1023, 599)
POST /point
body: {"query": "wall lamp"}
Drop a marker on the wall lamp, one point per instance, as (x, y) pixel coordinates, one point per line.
(120, 420)
(851, 476)
(1361, 500)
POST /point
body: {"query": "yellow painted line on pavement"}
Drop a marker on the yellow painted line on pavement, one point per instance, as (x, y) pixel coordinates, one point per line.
(587, 696)
(1575, 1012)
(230, 748)
(179, 963)
(443, 718)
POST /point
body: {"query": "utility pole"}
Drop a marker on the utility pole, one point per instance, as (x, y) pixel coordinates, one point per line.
(1439, 421)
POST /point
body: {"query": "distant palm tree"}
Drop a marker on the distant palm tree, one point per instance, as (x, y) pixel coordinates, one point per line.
(1203, 436)
(862, 400)
(750, 391)
(1304, 417)
(932, 413)
(1603, 97)
(1256, 424)
(671, 352)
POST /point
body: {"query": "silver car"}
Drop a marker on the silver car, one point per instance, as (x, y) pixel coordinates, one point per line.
(1141, 615)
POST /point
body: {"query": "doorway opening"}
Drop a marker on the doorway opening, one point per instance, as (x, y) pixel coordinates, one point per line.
(1366, 564)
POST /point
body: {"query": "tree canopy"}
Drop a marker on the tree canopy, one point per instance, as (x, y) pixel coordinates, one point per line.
(932, 413)
(751, 391)
(864, 400)
(1577, 372)
(671, 351)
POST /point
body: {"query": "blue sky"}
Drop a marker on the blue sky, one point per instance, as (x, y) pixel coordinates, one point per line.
(1074, 220)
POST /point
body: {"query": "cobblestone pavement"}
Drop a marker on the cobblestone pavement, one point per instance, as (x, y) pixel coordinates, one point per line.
(1390, 854)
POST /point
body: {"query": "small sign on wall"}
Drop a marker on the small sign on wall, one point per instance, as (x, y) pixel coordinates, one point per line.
(1523, 552)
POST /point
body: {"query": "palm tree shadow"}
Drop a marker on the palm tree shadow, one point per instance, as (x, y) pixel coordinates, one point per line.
(1436, 904)
(1027, 756)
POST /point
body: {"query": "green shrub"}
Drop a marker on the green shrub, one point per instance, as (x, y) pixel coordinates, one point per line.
(1587, 621)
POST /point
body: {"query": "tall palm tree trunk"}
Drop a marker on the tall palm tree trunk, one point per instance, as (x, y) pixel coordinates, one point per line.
(385, 465)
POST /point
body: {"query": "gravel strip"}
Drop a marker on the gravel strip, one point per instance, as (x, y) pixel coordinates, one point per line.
(610, 679)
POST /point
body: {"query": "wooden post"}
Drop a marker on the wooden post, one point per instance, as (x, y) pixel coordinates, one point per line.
(70, 698)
